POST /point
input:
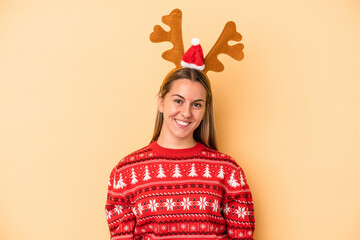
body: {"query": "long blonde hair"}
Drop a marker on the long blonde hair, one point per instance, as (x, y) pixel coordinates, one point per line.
(205, 132)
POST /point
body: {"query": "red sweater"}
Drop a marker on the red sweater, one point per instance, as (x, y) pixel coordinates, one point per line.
(194, 193)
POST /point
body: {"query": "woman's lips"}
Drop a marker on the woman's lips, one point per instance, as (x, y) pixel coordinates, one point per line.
(182, 124)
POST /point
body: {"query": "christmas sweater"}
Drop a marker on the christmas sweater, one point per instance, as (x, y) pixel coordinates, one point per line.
(193, 193)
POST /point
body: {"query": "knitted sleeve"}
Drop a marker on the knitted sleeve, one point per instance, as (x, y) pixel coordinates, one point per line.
(118, 208)
(238, 208)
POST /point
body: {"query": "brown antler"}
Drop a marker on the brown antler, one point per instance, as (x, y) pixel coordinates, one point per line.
(173, 20)
(229, 33)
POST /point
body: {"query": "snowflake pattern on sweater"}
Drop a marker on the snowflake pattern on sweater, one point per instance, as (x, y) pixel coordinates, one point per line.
(160, 193)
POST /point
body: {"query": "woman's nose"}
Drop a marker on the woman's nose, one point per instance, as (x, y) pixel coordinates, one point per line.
(186, 111)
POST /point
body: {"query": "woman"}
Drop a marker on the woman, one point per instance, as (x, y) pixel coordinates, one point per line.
(180, 186)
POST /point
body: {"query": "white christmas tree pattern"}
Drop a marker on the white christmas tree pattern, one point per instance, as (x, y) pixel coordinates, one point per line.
(133, 176)
(221, 173)
(242, 180)
(177, 173)
(207, 172)
(120, 183)
(161, 173)
(192, 172)
(232, 181)
(146, 174)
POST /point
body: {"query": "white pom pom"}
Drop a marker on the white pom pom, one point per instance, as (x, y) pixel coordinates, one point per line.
(195, 41)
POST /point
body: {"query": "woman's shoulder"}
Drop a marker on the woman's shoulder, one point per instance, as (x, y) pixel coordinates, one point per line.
(135, 156)
(218, 155)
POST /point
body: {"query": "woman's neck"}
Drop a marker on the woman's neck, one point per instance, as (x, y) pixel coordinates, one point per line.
(176, 143)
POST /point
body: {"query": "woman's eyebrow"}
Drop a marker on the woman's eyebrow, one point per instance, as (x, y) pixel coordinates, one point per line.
(177, 95)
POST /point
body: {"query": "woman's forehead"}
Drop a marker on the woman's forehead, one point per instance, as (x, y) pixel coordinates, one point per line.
(188, 89)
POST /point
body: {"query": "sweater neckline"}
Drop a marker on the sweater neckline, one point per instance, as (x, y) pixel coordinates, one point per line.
(176, 152)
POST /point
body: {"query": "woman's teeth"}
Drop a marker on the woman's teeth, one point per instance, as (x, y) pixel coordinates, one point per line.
(182, 123)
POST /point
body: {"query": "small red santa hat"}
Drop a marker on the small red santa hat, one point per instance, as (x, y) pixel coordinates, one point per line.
(194, 57)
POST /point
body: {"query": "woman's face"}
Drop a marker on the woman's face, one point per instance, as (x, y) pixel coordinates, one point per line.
(183, 108)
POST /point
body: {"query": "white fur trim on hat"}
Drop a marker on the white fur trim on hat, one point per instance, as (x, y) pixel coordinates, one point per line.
(191, 65)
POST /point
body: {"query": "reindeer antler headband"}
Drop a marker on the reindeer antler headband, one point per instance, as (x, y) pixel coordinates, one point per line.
(193, 58)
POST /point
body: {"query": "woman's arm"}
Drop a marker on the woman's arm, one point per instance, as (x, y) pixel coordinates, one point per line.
(119, 215)
(238, 208)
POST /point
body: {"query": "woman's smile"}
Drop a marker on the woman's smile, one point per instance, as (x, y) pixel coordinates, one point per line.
(182, 123)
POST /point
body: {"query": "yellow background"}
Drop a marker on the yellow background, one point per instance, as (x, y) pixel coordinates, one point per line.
(78, 85)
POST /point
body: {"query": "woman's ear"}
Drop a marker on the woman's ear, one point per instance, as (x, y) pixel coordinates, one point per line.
(160, 104)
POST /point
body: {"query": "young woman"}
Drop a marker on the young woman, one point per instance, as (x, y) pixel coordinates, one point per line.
(180, 186)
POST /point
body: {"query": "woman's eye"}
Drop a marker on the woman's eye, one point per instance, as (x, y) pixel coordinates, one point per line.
(198, 105)
(177, 101)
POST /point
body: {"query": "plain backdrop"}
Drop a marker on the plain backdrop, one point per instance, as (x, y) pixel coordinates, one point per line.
(78, 85)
